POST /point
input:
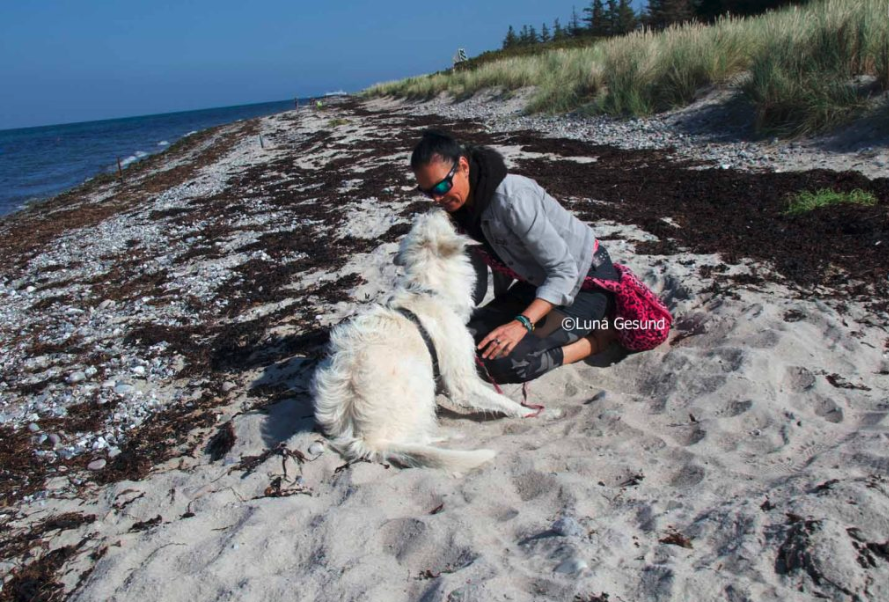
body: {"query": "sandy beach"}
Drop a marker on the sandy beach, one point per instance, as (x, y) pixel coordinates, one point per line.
(157, 336)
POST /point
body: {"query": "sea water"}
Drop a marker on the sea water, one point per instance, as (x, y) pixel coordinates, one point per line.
(40, 162)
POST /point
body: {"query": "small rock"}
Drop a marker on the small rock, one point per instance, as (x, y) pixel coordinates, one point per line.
(113, 452)
(33, 427)
(571, 565)
(54, 439)
(124, 389)
(227, 386)
(567, 526)
(30, 289)
(96, 464)
(138, 370)
(76, 377)
(316, 449)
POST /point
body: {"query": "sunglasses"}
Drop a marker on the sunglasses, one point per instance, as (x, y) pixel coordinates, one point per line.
(442, 187)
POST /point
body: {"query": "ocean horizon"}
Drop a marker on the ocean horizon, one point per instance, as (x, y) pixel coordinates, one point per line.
(40, 162)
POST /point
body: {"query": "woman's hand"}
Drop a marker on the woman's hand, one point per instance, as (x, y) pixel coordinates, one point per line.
(502, 340)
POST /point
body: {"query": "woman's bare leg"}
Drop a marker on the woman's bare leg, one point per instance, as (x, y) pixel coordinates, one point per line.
(593, 343)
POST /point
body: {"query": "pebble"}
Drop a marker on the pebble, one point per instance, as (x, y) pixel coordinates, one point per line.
(33, 427)
(76, 377)
(316, 449)
(138, 370)
(124, 389)
(96, 464)
(54, 439)
(571, 565)
(567, 526)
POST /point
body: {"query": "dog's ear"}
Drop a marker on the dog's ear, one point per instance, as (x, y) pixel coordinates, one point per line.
(443, 239)
(448, 246)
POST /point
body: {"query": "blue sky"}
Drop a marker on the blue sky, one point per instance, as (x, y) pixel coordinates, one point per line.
(67, 60)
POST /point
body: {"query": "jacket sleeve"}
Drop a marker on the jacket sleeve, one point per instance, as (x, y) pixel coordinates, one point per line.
(527, 218)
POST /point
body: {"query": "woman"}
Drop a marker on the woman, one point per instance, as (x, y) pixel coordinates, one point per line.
(524, 231)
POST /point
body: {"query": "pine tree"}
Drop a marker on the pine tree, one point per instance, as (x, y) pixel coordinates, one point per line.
(558, 31)
(654, 15)
(662, 13)
(678, 11)
(610, 18)
(574, 27)
(594, 19)
(544, 34)
(708, 10)
(511, 40)
(524, 37)
(532, 35)
(626, 17)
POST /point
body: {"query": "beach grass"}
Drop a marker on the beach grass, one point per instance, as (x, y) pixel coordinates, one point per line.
(807, 200)
(803, 68)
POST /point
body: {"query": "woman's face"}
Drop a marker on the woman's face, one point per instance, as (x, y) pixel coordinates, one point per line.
(434, 172)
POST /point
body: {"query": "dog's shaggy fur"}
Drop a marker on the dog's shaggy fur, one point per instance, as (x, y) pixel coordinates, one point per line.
(375, 394)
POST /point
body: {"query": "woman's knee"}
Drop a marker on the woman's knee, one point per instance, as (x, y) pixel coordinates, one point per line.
(524, 364)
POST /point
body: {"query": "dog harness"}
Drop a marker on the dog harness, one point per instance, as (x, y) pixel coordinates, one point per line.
(436, 371)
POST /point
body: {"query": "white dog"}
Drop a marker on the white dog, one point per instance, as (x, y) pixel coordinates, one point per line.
(375, 394)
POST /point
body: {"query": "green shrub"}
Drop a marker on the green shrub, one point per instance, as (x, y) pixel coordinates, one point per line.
(806, 201)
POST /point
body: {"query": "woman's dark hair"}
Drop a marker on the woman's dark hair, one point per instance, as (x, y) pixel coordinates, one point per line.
(434, 144)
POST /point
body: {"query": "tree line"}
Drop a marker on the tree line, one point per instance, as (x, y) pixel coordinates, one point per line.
(617, 17)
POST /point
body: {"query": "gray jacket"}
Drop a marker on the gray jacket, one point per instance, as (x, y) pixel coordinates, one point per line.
(538, 239)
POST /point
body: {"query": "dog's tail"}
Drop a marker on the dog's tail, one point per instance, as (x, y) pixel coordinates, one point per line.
(436, 457)
(417, 456)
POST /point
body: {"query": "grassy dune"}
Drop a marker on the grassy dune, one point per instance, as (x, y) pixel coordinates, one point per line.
(804, 69)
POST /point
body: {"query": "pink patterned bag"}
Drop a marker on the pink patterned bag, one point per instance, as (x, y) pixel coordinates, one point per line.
(643, 321)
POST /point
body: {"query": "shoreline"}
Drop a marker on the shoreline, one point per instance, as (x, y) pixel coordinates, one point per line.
(163, 351)
(62, 151)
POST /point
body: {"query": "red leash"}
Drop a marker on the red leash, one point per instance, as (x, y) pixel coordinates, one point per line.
(497, 388)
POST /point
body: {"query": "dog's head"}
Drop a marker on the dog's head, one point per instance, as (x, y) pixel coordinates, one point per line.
(433, 255)
(432, 235)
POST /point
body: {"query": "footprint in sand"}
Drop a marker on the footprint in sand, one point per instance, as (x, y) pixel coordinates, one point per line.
(827, 409)
(689, 436)
(532, 485)
(688, 476)
(402, 537)
(796, 458)
(798, 379)
(738, 407)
